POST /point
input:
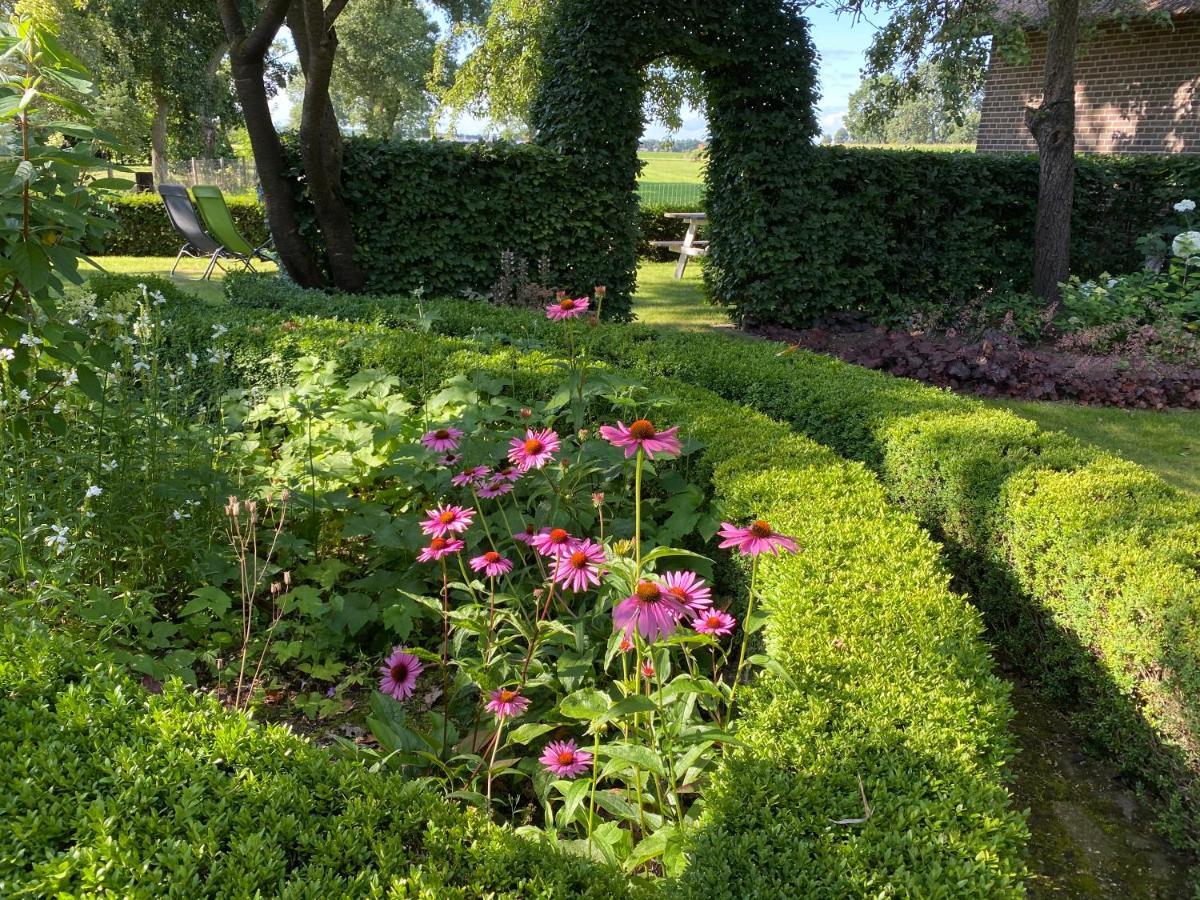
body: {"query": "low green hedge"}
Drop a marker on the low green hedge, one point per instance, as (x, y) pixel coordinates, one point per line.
(143, 229)
(1086, 565)
(888, 682)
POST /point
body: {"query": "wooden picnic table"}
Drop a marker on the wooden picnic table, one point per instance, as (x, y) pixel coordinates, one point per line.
(689, 246)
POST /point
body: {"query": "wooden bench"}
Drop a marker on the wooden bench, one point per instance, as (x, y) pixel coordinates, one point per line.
(689, 246)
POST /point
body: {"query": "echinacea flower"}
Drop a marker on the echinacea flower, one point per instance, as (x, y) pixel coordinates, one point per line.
(581, 567)
(441, 440)
(649, 610)
(647, 668)
(534, 450)
(553, 542)
(507, 704)
(526, 534)
(447, 520)
(494, 487)
(566, 308)
(400, 671)
(565, 759)
(449, 460)
(689, 589)
(491, 564)
(469, 477)
(758, 537)
(506, 471)
(641, 434)
(714, 622)
(438, 548)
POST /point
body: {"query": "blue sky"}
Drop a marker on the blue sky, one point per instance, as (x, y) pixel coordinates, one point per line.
(840, 44)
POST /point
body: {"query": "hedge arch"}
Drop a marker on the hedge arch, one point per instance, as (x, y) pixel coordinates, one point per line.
(757, 65)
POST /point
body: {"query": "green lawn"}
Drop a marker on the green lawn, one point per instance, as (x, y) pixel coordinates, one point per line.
(1167, 442)
(187, 276)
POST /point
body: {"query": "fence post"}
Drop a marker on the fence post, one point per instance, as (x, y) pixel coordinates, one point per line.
(195, 177)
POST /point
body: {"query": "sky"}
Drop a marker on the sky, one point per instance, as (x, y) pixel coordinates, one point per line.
(840, 44)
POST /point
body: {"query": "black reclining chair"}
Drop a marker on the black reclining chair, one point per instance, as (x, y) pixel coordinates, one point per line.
(196, 241)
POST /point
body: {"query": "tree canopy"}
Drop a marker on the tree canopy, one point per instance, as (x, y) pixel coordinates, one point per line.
(920, 117)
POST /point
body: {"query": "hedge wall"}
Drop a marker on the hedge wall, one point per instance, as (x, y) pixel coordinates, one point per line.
(888, 682)
(142, 227)
(1085, 565)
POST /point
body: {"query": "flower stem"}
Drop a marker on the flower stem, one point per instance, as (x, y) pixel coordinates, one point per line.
(592, 802)
(637, 514)
(492, 761)
(737, 675)
(445, 652)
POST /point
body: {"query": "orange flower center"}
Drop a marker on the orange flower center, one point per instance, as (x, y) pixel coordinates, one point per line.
(579, 559)
(492, 556)
(648, 592)
(713, 621)
(566, 757)
(533, 445)
(677, 591)
(506, 696)
(642, 430)
(567, 305)
(446, 517)
(441, 434)
(761, 529)
(559, 536)
(438, 543)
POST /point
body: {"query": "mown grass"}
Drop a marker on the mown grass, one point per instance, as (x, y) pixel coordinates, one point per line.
(681, 168)
(188, 275)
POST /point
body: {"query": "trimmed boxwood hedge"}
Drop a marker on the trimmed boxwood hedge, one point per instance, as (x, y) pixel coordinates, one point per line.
(143, 229)
(888, 682)
(1086, 565)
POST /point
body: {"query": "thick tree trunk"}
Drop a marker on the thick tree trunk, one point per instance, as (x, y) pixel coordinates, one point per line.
(321, 140)
(158, 140)
(1052, 125)
(247, 53)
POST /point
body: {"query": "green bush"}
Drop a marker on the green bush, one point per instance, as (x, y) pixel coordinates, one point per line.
(1085, 565)
(143, 228)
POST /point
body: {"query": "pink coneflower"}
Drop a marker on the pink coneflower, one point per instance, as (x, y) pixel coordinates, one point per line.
(491, 564)
(450, 460)
(506, 471)
(534, 450)
(647, 669)
(689, 589)
(526, 534)
(714, 622)
(566, 308)
(472, 476)
(447, 520)
(494, 487)
(438, 548)
(400, 671)
(642, 434)
(553, 542)
(507, 704)
(565, 759)
(650, 610)
(581, 567)
(758, 537)
(442, 439)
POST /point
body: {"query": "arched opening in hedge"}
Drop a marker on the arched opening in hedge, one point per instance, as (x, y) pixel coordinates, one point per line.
(757, 66)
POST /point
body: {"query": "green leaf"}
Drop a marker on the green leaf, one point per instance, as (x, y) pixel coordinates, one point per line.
(575, 795)
(631, 705)
(209, 598)
(89, 384)
(523, 734)
(586, 704)
(642, 757)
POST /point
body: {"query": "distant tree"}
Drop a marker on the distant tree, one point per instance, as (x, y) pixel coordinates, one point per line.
(877, 113)
(841, 136)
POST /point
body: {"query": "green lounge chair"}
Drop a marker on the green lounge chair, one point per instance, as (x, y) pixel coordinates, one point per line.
(219, 222)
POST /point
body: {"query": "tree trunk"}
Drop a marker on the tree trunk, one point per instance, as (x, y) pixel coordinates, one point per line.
(158, 141)
(247, 55)
(1052, 125)
(321, 141)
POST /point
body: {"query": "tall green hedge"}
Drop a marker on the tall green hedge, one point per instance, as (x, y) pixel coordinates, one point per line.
(143, 229)
(1086, 565)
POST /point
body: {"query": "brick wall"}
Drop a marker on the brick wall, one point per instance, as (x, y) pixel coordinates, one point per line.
(1136, 92)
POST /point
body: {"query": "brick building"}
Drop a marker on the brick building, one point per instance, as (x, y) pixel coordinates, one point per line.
(1136, 83)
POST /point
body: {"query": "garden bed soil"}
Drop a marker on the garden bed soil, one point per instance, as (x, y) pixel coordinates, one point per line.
(998, 365)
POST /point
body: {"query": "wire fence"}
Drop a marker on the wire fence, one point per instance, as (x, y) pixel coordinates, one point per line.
(664, 193)
(233, 176)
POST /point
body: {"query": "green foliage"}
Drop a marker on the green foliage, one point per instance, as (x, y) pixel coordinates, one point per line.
(589, 108)
(436, 216)
(143, 229)
(885, 233)
(1056, 539)
(872, 116)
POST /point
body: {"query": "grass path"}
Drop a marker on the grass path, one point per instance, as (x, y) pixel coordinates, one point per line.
(1166, 442)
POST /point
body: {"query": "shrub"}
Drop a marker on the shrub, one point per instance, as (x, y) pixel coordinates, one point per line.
(143, 228)
(1002, 492)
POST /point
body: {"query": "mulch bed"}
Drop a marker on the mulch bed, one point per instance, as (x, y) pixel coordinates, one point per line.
(998, 365)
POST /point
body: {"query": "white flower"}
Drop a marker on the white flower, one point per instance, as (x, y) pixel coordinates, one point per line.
(58, 407)
(141, 366)
(1186, 245)
(1113, 282)
(109, 466)
(71, 377)
(193, 359)
(57, 541)
(159, 299)
(7, 354)
(30, 340)
(218, 330)
(1185, 206)
(216, 357)
(23, 395)
(94, 491)
(119, 318)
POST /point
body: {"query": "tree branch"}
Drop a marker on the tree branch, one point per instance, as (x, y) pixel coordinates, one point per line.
(269, 23)
(332, 11)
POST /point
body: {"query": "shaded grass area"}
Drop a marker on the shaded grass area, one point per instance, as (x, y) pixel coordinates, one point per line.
(187, 276)
(661, 300)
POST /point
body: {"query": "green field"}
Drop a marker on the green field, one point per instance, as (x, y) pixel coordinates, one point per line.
(671, 168)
